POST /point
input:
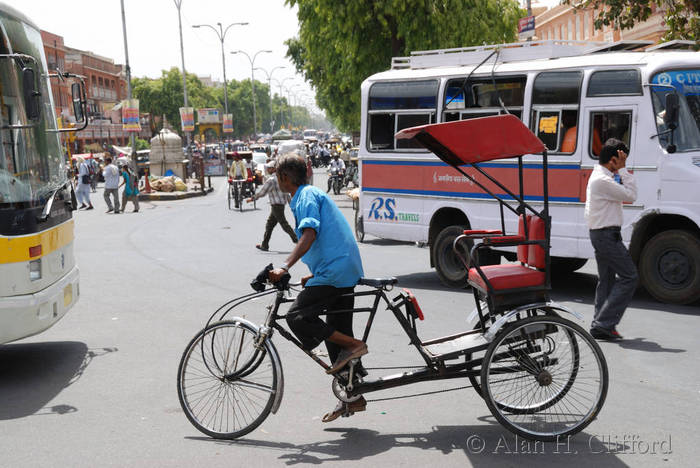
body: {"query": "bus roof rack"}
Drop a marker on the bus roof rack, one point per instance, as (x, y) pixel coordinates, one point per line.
(522, 51)
(516, 51)
(620, 46)
(678, 44)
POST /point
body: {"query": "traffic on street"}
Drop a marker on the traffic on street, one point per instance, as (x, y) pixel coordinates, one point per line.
(482, 250)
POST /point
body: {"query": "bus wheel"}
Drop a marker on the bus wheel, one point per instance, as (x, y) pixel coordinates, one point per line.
(669, 267)
(449, 269)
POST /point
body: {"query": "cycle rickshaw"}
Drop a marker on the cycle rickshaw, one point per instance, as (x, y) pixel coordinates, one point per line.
(239, 190)
(541, 375)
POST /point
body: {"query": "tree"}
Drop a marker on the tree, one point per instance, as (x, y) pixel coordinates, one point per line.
(682, 16)
(342, 43)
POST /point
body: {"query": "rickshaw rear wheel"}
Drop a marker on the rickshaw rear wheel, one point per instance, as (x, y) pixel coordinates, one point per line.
(544, 378)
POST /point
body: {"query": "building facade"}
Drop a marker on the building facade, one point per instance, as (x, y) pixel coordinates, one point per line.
(56, 60)
(563, 22)
(106, 87)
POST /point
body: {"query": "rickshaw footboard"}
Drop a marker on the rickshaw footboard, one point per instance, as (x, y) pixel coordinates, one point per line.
(455, 345)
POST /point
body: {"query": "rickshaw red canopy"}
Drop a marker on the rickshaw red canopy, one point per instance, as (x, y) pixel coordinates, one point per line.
(476, 140)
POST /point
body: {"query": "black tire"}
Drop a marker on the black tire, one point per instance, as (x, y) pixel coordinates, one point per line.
(359, 228)
(554, 395)
(565, 265)
(336, 186)
(450, 270)
(234, 396)
(239, 198)
(669, 267)
(230, 198)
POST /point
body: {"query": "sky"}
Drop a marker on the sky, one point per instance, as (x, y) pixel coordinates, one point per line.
(153, 39)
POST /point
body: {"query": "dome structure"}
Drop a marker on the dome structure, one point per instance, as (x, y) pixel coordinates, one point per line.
(166, 154)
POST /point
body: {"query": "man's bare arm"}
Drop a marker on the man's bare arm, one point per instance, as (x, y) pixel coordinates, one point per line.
(308, 237)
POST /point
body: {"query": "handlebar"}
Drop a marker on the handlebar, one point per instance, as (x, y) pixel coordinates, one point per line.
(261, 281)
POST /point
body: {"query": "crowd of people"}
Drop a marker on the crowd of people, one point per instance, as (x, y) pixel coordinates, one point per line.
(87, 174)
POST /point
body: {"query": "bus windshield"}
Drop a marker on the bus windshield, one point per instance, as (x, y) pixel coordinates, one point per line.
(687, 85)
(32, 165)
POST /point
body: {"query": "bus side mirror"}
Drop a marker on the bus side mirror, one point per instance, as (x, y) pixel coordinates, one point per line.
(78, 101)
(671, 114)
(31, 95)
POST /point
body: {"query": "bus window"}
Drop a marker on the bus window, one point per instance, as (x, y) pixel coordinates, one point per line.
(407, 121)
(555, 104)
(483, 98)
(605, 125)
(397, 105)
(381, 131)
(615, 83)
(687, 134)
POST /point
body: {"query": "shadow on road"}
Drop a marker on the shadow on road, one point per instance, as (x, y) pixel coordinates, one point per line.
(642, 344)
(484, 445)
(33, 374)
(385, 242)
(424, 280)
(580, 287)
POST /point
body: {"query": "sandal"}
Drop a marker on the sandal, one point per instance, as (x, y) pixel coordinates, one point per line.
(347, 409)
(345, 357)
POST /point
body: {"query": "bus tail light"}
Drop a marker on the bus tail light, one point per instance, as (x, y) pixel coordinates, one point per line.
(35, 270)
(35, 251)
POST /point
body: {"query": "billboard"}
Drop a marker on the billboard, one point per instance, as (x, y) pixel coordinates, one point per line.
(526, 27)
(208, 116)
(228, 123)
(187, 119)
(130, 115)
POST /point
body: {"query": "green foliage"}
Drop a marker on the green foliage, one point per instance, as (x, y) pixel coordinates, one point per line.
(682, 17)
(142, 144)
(342, 43)
(164, 96)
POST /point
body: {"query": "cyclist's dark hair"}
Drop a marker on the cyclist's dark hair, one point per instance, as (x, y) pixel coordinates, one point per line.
(610, 150)
(293, 166)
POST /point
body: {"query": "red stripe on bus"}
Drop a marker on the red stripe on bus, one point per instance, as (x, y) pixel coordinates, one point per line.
(566, 183)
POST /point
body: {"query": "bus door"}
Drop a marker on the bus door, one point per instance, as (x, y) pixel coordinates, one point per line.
(555, 118)
(602, 122)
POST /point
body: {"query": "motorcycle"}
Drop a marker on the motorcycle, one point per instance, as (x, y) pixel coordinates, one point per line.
(335, 179)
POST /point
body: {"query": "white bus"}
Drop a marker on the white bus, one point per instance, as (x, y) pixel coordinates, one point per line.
(573, 95)
(39, 281)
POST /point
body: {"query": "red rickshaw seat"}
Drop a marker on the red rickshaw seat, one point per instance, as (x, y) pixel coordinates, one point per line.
(509, 276)
(514, 275)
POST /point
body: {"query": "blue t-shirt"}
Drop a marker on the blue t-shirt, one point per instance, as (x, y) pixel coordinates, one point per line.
(333, 258)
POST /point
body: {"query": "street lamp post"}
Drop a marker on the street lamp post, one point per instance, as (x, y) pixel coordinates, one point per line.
(291, 108)
(269, 85)
(128, 83)
(178, 5)
(221, 33)
(280, 84)
(252, 83)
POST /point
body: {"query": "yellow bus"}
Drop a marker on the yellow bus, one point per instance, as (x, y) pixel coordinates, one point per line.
(39, 280)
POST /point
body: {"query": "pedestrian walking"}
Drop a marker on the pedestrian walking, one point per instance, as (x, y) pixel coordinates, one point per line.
(83, 193)
(94, 169)
(277, 199)
(111, 175)
(617, 274)
(131, 188)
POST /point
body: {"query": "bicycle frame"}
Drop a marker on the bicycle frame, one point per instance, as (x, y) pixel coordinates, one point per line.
(434, 369)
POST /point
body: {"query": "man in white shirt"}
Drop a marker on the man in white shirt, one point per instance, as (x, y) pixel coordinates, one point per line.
(111, 175)
(339, 166)
(617, 274)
